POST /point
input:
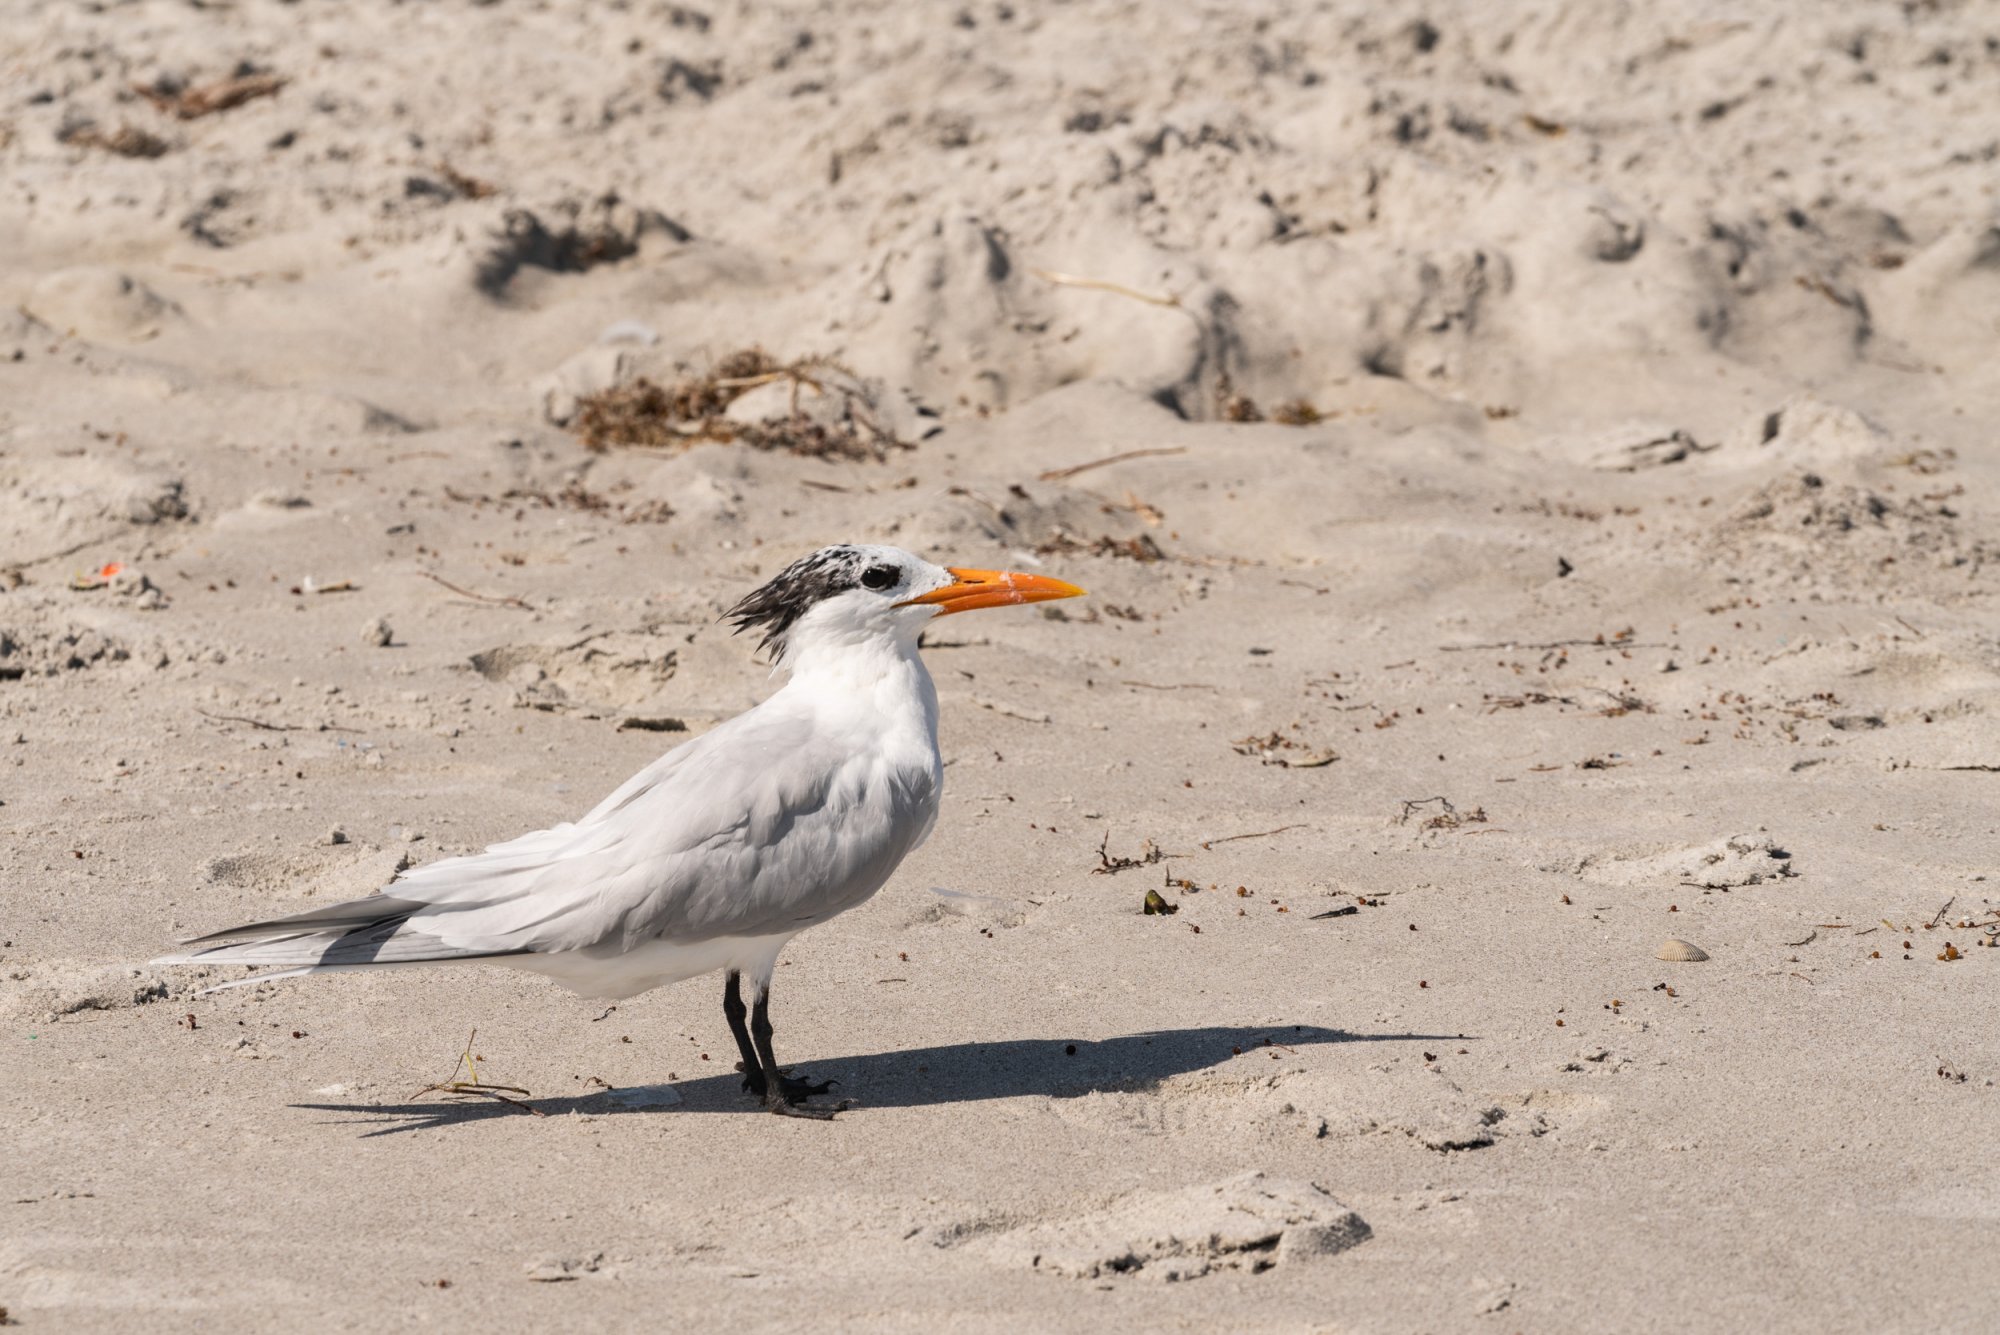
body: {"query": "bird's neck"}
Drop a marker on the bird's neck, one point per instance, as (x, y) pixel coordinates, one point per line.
(887, 675)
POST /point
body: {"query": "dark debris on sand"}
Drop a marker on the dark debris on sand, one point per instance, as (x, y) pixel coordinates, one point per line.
(647, 415)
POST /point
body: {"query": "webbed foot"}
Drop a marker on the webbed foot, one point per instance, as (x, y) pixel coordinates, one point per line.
(791, 1089)
(784, 1107)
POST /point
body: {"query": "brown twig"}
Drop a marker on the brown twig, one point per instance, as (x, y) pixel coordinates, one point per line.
(477, 1087)
(70, 550)
(1411, 805)
(1938, 917)
(1110, 866)
(127, 141)
(767, 378)
(1058, 474)
(468, 187)
(493, 1092)
(253, 722)
(999, 511)
(1522, 701)
(508, 601)
(189, 103)
(274, 727)
(1598, 643)
(1258, 834)
(1100, 285)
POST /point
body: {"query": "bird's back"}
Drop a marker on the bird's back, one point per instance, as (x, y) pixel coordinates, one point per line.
(778, 819)
(711, 856)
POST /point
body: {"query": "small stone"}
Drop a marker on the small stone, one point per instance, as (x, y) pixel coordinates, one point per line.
(376, 634)
(1314, 1241)
(1680, 952)
(1445, 1133)
(1495, 1299)
(335, 836)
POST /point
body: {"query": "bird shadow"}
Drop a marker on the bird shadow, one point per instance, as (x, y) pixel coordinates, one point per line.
(913, 1077)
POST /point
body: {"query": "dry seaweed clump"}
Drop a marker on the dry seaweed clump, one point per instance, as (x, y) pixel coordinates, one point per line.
(1231, 406)
(813, 408)
(127, 141)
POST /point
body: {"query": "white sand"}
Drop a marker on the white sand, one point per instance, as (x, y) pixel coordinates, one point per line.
(1696, 305)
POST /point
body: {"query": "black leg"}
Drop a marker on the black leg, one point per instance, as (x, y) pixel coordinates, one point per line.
(781, 1092)
(733, 1010)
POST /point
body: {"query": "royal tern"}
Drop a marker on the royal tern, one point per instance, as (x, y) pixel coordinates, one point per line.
(720, 851)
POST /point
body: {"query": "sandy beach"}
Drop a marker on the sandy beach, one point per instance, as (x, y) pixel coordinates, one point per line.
(1533, 469)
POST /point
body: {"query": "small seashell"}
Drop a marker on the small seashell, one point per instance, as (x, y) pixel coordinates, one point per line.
(1681, 952)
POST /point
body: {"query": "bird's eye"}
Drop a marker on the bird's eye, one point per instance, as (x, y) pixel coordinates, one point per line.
(880, 577)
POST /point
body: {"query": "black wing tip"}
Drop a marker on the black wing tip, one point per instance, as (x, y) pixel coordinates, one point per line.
(220, 938)
(369, 911)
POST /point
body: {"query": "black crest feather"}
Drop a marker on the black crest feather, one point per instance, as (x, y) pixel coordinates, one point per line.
(790, 593)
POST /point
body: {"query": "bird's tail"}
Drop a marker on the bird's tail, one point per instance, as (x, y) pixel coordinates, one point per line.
(369, 933)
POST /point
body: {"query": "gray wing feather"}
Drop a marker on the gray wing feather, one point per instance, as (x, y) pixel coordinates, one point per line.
(389, 941)
(759, 827)
(335, 918)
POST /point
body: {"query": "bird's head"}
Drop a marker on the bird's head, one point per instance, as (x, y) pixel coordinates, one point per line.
(852, 595)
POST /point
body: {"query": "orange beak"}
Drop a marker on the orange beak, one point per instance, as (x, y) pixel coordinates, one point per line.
(992, 588)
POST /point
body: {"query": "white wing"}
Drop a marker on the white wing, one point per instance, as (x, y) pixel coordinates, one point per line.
(774, 821)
